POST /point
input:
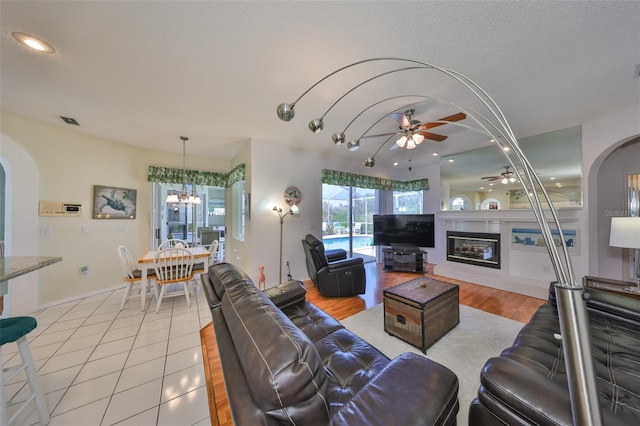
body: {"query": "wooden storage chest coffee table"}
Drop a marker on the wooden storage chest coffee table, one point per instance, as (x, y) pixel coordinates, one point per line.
(421, 311)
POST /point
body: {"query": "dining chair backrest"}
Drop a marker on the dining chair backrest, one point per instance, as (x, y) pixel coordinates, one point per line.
(209, 236)
(213, 249)
(173, 242)
(173, 265)
(127, 263)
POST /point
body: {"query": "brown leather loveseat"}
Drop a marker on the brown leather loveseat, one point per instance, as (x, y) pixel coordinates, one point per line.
(285, 361)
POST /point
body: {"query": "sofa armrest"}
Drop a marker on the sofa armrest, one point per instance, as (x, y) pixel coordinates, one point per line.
(411, 390)
(287, 294)
(344, 264)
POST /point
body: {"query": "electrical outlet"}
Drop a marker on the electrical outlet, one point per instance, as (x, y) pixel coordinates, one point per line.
(85, 230)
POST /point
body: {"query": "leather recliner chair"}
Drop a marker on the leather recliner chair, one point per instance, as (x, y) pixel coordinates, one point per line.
(338, 278)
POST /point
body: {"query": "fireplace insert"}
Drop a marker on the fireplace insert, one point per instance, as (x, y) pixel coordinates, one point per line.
(474, 248)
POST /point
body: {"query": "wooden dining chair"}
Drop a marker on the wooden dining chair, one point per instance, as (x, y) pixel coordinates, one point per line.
(132, 276)
(173, 242)
(173, 266)
(198, 268)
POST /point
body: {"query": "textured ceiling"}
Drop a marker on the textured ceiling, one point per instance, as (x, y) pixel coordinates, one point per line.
(144, 73)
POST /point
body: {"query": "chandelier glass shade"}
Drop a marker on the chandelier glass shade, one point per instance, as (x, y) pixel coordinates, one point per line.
(411, 141)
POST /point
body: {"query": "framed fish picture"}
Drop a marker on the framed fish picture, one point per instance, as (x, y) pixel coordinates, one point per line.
(114, 203)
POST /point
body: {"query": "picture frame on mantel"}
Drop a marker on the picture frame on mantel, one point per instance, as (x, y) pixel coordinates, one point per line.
(114, 203)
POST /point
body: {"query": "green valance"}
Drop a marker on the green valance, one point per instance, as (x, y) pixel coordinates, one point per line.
(334, 177)
(197, 177)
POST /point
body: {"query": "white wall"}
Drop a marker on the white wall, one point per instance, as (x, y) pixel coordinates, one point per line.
(67, 165)
(21, 223)
(599, 139)
(275, 167)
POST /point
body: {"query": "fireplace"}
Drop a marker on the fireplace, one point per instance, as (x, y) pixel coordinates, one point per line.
(474, 248)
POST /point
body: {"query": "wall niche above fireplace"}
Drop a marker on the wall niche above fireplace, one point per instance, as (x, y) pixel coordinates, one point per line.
(474, 248)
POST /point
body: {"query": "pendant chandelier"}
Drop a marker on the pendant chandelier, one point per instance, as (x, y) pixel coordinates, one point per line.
(184, 196)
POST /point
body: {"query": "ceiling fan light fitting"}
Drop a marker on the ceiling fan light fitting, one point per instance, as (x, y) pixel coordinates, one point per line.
(286, 112)
(370, 162)
(418, 138)
(401, 142)
(411, 144)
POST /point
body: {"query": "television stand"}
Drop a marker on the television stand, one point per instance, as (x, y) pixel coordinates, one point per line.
(403, 258)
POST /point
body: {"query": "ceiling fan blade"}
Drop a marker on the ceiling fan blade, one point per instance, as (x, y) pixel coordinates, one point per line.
(401, 119)
(433, 136)
(381, 134)
(393, 146)
(454, 117)
(491, 177)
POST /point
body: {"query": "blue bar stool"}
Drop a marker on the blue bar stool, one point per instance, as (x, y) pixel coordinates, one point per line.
(16, 330)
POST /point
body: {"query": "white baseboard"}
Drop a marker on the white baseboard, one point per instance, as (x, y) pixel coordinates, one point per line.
(82, 296)
(478, 275)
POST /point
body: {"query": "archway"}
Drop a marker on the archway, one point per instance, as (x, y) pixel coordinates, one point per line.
(606, 200)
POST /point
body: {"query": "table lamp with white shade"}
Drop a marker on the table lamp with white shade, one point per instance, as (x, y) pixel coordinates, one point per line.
(625, 233)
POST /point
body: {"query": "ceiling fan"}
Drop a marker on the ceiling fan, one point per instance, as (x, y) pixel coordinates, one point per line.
(414, 132)
(505, 177)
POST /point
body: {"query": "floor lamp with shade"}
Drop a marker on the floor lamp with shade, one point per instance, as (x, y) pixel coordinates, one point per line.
(625, 233)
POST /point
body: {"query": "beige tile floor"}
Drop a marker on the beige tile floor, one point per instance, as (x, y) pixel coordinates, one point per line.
(99, 365)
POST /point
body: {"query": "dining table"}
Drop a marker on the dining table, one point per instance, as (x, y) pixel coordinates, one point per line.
(146, 262)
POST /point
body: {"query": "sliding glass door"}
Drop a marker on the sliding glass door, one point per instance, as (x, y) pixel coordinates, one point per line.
(348, 219)
(187, 221)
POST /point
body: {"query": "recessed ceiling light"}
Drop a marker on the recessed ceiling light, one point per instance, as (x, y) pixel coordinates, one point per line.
(451, 160)
(33, 42)
(435, 154)
(506, 149)
(395, 163)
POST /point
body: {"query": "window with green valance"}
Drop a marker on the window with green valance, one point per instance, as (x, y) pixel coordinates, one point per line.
(196, 177)
(334, 177)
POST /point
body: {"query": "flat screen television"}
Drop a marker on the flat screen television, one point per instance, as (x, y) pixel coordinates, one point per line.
(404, 229)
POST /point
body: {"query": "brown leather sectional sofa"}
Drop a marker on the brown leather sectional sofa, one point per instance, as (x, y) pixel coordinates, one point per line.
(527, 383)
(285, 361)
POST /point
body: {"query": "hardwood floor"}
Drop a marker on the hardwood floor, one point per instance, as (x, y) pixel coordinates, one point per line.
(509, 305)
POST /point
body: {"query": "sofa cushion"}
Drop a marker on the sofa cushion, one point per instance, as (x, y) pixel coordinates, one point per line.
(313, 322)
(285, 374)
(350, 362)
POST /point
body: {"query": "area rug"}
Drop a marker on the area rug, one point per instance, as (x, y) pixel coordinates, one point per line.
(463, 350)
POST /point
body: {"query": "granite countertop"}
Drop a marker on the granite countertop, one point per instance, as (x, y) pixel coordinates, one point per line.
(14, 266)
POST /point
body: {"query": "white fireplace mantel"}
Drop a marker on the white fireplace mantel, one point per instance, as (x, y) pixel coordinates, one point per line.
(504, 215)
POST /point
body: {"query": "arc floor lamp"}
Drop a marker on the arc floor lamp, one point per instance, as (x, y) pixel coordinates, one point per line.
(488, 119)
